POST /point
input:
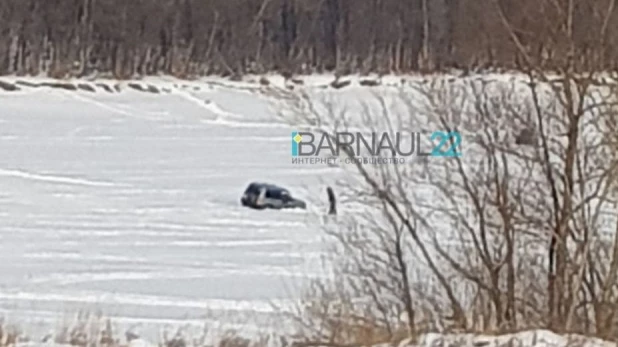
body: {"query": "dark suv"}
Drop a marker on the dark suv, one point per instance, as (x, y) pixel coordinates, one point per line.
(262, 195)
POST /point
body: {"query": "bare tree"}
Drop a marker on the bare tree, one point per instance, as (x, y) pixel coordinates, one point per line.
(512, 234)
(188, 37)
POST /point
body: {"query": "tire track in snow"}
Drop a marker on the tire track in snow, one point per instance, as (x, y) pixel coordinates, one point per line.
(110, 108)
(237, 124)
(146, 300)
(56, 179)
(226, 118)
(194, 273)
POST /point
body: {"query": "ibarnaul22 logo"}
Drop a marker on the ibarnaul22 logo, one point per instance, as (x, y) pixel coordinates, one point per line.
(399, 144)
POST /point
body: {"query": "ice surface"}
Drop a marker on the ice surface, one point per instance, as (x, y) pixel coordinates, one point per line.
(128, 203)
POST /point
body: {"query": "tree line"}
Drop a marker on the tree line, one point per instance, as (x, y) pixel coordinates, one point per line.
(233, 37)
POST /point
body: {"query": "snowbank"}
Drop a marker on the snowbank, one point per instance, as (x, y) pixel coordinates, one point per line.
(532, 338)
(164, 84)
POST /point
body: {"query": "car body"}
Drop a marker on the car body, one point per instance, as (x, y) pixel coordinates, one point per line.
(264, 195)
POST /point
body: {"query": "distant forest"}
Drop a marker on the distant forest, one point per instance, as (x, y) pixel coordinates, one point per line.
(188, 38)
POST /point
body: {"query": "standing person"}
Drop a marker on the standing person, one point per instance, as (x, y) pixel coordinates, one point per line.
(332, 201)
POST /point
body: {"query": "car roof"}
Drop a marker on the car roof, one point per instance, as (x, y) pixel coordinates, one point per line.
(267, 186)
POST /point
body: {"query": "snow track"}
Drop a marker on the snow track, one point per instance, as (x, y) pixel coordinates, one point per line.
(53, 179)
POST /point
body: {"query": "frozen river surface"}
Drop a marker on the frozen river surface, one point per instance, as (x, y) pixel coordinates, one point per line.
(129, 204)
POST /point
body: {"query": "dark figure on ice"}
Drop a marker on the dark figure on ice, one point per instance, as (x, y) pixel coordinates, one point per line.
(332, 201)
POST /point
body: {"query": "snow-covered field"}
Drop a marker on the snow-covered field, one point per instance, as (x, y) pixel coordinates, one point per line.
(128, 203)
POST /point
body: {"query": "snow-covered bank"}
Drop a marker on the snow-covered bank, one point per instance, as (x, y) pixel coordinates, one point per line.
(165, 84)
(530, 338)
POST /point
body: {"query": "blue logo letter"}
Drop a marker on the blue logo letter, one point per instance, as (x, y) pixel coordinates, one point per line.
(294, 144)
(444, 137)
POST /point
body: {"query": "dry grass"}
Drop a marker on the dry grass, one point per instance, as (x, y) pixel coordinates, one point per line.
(95, 330)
